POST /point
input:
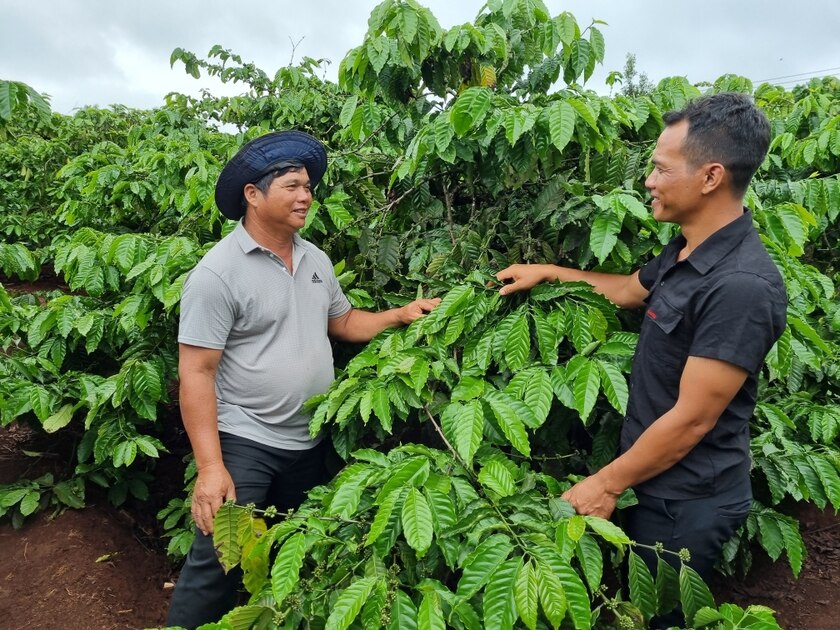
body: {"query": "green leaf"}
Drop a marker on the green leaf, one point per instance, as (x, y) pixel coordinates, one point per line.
(827, 473)
(30, 502)
(349, 603)
(607, 530)
(419, 375)
(518, 344)
(146, 389)
(667, 586)
(40, 327)
(443, 133)
(383, 516)
(468, 387)
(244, 617)
(576, 527)
(794, 545)
(642, 588)
(552, 596)
(604, 235)
(41, 401)
(443, 510)
(596, 39)
(430, 615)
(348, 493)
(587, 384)
(375, 605)
(614, 385)
(470, 108)
(576, 596)
(509, 421)
(347, 111)
(482, 562)
(591, 560)
(771, 535)
(417, 522)
(526, 594)
(464, 425)
(8, 497)
(499, 605)
(378, 50)
(561, 124)
(694, 594)
(412, 471)
(59, 419)
(225, 535)
(547, 337)
(808, 332)
(382, 407)
(538, 394)
(795, 221)
(285, 572)
(403, 612)
(496, 477)
(71, 493)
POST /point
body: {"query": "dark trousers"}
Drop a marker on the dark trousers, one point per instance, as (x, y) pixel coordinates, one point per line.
(700, 525)
(261, 475)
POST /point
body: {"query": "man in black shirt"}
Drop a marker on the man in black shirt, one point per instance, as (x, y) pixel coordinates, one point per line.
(714, 305)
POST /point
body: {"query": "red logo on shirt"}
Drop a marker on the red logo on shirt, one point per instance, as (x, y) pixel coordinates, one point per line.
(651, 314)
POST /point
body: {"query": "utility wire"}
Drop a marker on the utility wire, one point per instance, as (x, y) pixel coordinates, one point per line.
(788, 76)
(802, 80)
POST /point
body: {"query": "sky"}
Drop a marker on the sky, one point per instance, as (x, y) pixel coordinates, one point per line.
(104, 52)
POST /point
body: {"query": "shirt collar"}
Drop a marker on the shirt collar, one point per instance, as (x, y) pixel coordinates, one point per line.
(248, 244)
(245, 240)
(716, 246)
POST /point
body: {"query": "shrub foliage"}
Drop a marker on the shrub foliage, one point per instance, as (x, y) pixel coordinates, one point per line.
(452, 154)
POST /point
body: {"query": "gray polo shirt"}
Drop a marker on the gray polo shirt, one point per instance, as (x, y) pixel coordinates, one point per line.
(272, 328)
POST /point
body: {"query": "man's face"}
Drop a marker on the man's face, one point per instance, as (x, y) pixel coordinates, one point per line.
(286, 202)
(674, 184)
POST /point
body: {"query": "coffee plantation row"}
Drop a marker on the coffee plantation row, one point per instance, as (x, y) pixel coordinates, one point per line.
(453, 153)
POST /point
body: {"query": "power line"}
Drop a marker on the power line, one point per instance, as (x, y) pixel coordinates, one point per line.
(788, 76)
(799, 81)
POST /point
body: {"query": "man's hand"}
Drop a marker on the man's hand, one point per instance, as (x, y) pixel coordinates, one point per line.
(213, 487)
(523, 277)
(591, 497)
(416, 309)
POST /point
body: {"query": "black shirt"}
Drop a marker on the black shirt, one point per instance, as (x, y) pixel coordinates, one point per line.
(725, 301)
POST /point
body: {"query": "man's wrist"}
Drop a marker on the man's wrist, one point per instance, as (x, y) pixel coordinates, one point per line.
(211, 464)
(611, 480)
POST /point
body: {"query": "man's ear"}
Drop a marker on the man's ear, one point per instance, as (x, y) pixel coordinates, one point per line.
(713, 177)
(250, 192)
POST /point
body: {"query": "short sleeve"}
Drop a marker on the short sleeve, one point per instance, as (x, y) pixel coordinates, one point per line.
(339, 304)
(739, 320)
(208, 311)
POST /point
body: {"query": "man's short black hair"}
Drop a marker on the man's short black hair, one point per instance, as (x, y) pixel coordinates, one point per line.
(264, 182)
(727, 128)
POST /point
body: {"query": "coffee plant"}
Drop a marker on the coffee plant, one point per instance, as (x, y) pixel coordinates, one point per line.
(453, 153)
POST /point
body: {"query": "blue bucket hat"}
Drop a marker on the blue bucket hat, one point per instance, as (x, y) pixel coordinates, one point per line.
(262, 155)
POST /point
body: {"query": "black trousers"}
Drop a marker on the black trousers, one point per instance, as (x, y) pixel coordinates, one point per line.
(261, 475)
(700, 525)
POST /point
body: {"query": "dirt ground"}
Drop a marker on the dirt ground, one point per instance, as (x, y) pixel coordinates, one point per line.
(103, 568)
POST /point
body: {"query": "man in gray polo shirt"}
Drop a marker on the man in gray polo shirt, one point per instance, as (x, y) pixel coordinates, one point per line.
(256, 316)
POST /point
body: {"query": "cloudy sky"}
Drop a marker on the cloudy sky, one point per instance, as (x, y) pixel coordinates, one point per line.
(101, 52)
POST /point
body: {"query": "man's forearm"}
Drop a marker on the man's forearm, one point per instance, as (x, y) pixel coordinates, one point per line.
(610, 285)
(361, 326)
(200, 417)
(622, 290)
(661, 446)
